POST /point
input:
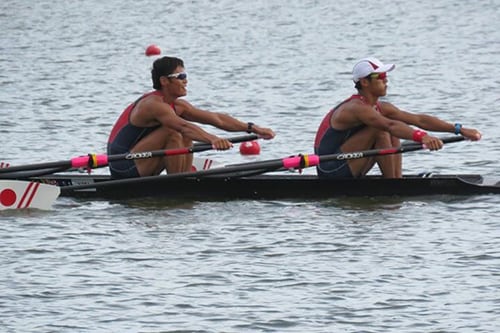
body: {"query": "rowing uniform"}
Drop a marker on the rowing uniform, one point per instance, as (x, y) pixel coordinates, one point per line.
(329, 140)
(124, 136)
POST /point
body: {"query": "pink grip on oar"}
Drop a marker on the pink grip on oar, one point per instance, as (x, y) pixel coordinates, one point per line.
(296, 161)
(291, 162)
(313, 160)
(101, 160)
(83, 161)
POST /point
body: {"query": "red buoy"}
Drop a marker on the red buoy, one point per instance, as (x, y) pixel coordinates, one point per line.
(250, 148)
(152, 50)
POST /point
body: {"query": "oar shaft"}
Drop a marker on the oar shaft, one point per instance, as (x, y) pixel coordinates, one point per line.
(48, 165)
(304, 161)
(101, 160)
(384, 151)
(196, 148)
(295, 162)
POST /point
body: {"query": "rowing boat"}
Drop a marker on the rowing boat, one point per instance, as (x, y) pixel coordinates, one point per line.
(254, 180)
(269, 186)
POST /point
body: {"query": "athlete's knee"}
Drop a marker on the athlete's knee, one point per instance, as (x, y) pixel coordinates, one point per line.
(177, 139)
(172, 137)
(187, 141)
(383, 137)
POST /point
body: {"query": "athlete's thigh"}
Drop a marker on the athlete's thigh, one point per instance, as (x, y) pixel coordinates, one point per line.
(159, 139)
(364, 139)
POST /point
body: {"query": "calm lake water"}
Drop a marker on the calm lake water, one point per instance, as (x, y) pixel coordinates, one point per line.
(426, 264)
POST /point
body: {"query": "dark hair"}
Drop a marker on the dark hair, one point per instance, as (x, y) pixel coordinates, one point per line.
(163, 67)
(357, 85)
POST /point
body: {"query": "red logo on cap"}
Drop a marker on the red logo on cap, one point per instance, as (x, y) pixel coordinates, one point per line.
(373, 65)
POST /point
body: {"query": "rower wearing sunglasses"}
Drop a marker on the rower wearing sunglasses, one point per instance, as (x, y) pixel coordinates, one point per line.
(362, 122)
(160, 120)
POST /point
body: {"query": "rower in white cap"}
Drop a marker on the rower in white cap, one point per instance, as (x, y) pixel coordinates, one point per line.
(362, 122)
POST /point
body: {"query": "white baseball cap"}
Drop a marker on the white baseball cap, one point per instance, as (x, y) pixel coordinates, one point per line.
(367, 66)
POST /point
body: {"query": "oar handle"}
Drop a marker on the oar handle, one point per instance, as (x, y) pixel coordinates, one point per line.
(236, 139)
(449, 139)
(195, 148)
(384, 151)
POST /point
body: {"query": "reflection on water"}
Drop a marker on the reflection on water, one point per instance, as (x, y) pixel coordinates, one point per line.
(160, 204)
(367, 203)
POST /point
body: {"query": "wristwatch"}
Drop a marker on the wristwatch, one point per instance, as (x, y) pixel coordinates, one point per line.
(250, 127)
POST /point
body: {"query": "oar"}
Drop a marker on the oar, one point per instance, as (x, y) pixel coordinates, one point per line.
(292, 162)
(17, 194)
(95, 161)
